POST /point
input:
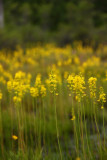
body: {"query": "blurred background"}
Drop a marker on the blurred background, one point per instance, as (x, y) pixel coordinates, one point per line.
(25, 22)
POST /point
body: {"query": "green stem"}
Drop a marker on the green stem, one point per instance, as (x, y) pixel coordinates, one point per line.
(57, 127)
(104, 130)
(1, 133)
(75, 131)
(82, 131)
(87, 134)
(98, 133)
(44, 122)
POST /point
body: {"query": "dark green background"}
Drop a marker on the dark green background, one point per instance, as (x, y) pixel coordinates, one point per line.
(59, 21)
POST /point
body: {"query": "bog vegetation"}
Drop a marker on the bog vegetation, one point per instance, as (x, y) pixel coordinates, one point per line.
(53, 103)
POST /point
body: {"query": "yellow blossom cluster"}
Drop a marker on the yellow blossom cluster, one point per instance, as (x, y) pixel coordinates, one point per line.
(4, 75)
(19, 85)
(102, 97)
(93, 62)
(1, 95)
(34, 92)
(52, 82)
(39, 89)
(77, 85)
(70, 82)
(43, 58)
(92, 86)
(106, 75)
(40, 60)
(14, 137)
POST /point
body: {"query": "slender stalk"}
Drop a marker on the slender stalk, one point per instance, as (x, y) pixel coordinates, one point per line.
(11, 115)
(40, 125)
(87, 134)
(19, 133)
(92, 117)
(22, 119)
(104, 130)
(34, 119)
(1, 133)
(30, 129)
(75, 131)
(24, 126)
(43, 121)
(98, 132)
(57, 127)
(82, 131)
(20, 137)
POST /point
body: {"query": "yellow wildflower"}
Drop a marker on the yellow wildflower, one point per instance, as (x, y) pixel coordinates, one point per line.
(102, 97)
(19, 75)
(73, 118)
(53, 82)
(14, 137)
(106, 75)
(78, 87)
(102, 107)
(16, 99)
(92, 86)
(78, 158)
(9, 86)
(34, 92)
(1, 95)
(38, 80)
(43, 90)
(70, 82)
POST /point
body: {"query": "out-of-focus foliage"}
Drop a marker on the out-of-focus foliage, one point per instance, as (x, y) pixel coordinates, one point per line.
(60, 21)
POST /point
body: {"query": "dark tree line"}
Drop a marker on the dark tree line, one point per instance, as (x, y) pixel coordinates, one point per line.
(62, 21)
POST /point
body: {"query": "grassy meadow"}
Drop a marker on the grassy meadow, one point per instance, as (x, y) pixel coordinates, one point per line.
(53, 103)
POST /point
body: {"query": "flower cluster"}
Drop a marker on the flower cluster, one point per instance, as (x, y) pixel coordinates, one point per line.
(14, 137)
(102, 97)
(34, 92)
(19, 85)
(1, 95)
(92, 86)
(39, 89)
(52, 82)
(73, 118)
(70, 82)
(43, 91)
(106, 75)
(4, 75)
(76, 85)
